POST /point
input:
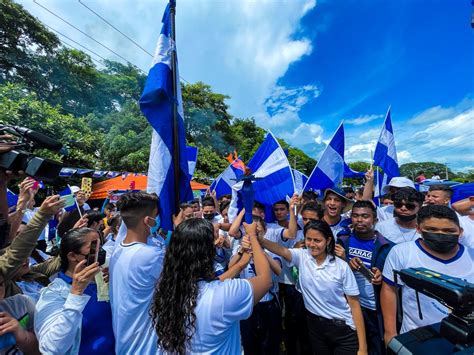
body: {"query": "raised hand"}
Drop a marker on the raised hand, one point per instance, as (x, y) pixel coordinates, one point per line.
(83, 275)
(52, 205)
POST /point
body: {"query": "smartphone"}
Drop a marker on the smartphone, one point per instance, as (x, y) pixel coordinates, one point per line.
(49, 191)
(35, 184)
(366, 272)
(93, 253)
(86, 186)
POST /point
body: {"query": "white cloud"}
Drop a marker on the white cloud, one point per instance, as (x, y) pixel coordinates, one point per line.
(438, 113)
(363, 119)
(282, 117)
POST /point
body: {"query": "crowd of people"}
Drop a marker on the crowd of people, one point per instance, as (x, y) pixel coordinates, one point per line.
(318, 279)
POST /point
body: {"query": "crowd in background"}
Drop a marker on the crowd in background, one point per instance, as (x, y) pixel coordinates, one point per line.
(317, 279)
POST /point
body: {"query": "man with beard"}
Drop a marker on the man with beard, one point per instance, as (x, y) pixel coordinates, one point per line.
(438, 250)
(402, 228)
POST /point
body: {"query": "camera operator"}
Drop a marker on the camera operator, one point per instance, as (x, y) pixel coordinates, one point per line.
(438, 250)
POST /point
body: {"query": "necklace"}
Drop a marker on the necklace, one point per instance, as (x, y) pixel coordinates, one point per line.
(403, 235)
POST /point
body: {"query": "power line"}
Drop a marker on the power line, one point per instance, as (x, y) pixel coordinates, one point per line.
(70, 39)
(87, 35)
(115, 28)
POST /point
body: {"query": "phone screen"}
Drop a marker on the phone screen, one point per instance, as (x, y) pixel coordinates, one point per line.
(366, 272)
(94, 252)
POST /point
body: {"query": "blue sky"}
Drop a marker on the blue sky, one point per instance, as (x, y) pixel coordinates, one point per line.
(299, 67)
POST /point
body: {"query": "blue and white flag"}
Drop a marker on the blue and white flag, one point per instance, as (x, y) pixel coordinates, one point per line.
(99, 173)
(385, 155)
(11, 198)
(157, 103)
(222, 185)
(83, 171)
(349, 173)
(329, 171)
(276, 182)
(67, 172)
(192, 154)
(300, 180)
(380, 181)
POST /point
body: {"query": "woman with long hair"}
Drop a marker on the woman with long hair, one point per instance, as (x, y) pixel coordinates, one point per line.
(330, 292)
(191, 310)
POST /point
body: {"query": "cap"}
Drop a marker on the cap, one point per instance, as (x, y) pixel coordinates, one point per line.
(399, 182)
(74, 189)
(462, 191)
(341, 194)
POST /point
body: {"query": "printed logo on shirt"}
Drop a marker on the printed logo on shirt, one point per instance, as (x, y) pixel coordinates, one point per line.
(24, 320)
(361, 253)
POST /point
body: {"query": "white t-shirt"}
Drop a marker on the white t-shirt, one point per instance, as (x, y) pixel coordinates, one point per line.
(393, 232)
(412, 254)
(385, 212)
(134, 270)
(286, 275)
(220, 307)
(324, 286)
(467, 238)
(249, 272)
(338, 227)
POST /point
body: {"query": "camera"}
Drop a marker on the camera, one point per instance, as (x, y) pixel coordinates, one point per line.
(24, 160)
(455, 333)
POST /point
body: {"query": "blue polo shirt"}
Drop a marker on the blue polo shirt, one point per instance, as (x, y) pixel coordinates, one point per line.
(97, 336)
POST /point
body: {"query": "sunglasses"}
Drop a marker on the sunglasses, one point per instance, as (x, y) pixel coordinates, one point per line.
(409, 206)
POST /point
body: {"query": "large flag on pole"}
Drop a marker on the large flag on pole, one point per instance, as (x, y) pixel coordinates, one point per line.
(329, 171)
(275, 178)
(157, 104)
(385, 155)
(192, 153)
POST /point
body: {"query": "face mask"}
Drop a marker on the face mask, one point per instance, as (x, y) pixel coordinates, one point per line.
(209, 216)
(156, 227)
(404, 218)
(440, 242)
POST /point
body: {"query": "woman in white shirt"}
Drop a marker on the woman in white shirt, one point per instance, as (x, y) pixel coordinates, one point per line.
(330, 292)
(192, 312)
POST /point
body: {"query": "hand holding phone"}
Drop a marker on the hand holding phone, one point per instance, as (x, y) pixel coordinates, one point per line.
(93, 253)
(366, 272)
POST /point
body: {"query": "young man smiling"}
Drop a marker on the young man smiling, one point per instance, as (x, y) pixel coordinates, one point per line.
(365, 246)
(438, 250)
(335, 203)
(402, 228)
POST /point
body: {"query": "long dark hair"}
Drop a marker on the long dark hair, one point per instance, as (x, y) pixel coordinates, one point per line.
(189, 259)
(323, 228)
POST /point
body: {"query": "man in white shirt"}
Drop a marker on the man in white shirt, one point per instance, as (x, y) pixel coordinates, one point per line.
(135, 267)
(402, 228)
(438, 250)
(462, 202)
(396, 183)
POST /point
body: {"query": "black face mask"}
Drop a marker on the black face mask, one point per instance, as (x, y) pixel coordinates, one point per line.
(404, 218)
(440, 242)
(209, 216)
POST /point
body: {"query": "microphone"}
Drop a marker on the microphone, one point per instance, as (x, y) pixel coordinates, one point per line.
(39, 138)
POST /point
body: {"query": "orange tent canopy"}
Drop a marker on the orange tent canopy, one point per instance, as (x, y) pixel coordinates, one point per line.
(100, 189)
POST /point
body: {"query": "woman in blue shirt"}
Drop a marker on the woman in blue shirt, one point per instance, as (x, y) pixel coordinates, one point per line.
(69, 318)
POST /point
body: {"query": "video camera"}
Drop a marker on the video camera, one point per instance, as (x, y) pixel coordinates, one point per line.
(23, 160)
(455, 333)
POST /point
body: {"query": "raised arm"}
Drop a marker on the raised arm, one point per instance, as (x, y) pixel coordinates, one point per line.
(24, 198)
(23, 245)
(369, 185)
(290, 232)
(388, 301)
(276, 248)
(234, 230)
(262, 282)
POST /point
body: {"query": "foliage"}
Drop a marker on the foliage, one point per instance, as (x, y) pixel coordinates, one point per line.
(22, 108)
(430, 169)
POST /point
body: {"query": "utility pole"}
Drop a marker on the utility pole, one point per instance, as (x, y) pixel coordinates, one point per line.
(447, 176)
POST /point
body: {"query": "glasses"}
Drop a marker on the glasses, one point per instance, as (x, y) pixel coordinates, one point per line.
(409, 206)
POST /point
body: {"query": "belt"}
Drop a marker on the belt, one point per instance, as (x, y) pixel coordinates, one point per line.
(327, 320)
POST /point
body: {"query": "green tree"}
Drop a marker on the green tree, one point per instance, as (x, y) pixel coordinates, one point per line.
(22, 108)
(430, 169)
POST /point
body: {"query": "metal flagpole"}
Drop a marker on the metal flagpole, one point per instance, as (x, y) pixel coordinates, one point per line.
(175, 107)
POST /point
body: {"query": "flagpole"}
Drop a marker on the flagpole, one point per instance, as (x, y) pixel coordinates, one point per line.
(175, 108)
